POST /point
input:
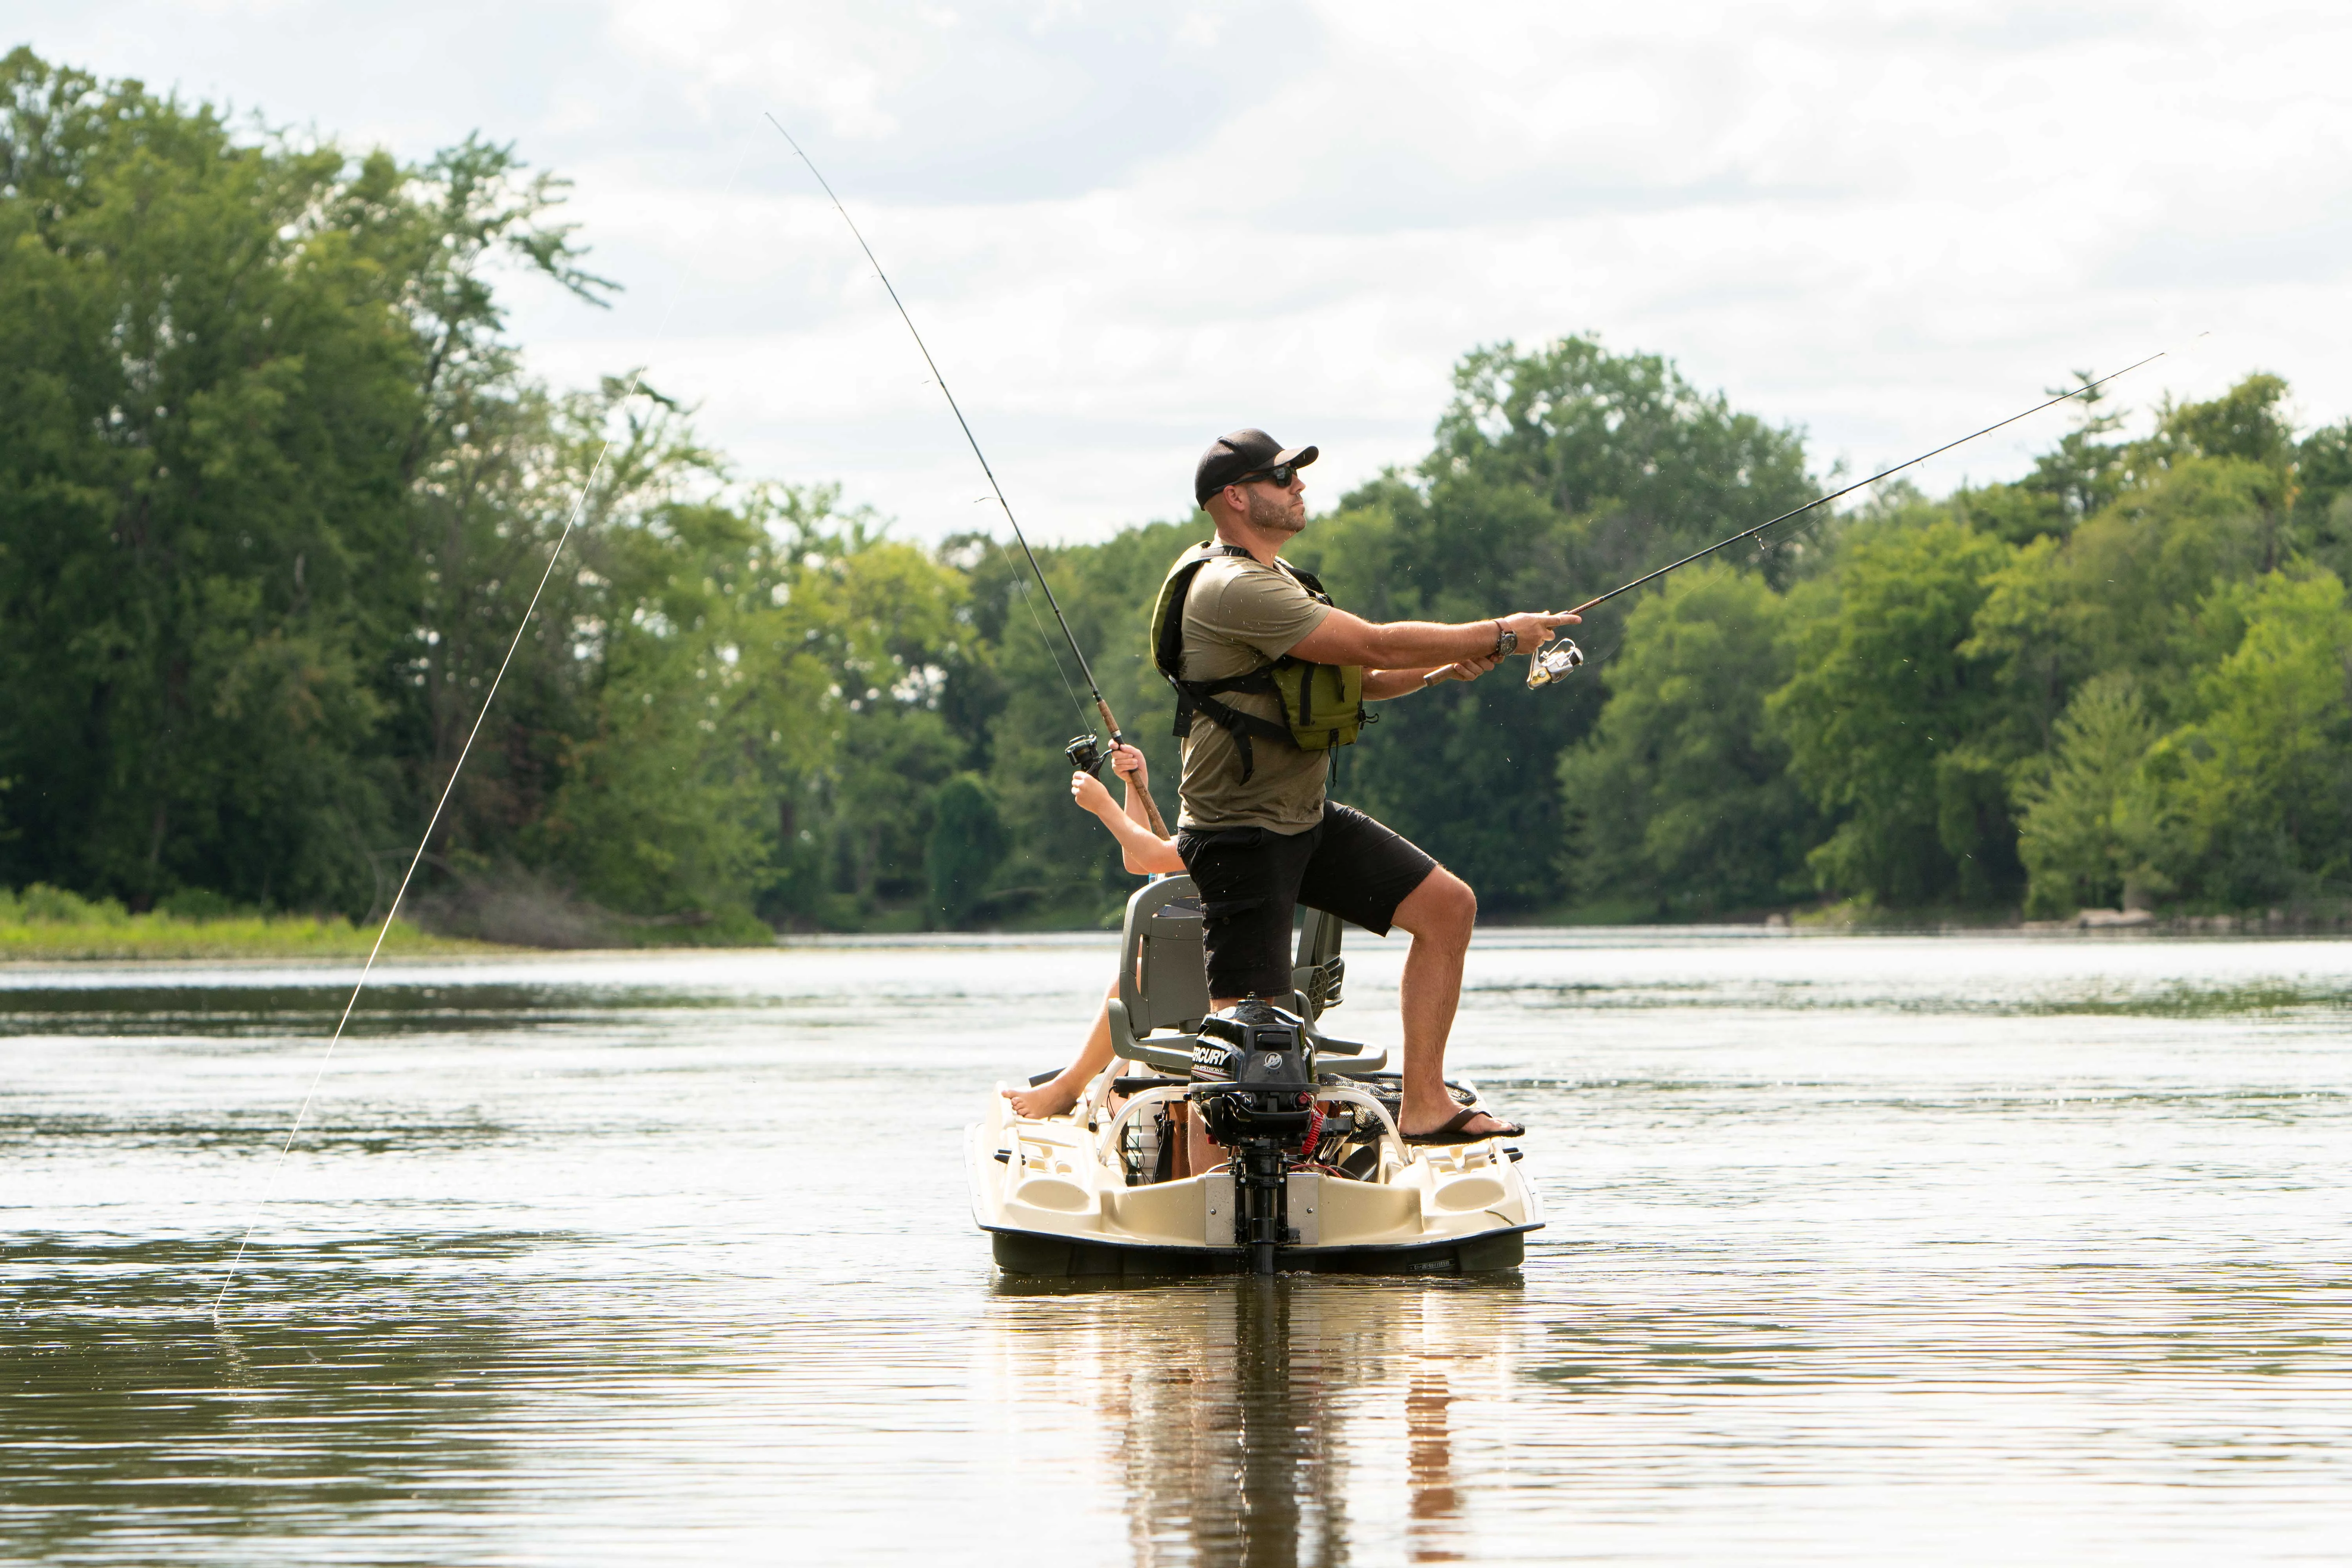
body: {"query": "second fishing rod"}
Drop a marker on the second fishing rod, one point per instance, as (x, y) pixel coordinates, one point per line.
(1085, 751)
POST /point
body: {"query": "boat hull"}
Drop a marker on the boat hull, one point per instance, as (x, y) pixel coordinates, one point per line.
(1054, 1196)
(1058, 1257)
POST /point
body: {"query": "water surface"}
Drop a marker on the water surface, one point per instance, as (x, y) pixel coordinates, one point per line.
(1861, 1250)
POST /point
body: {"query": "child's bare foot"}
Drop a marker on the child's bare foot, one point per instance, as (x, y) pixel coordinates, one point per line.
(1051, 1098)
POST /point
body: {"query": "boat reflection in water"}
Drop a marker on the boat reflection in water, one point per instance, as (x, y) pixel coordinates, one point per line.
(1263, 1420)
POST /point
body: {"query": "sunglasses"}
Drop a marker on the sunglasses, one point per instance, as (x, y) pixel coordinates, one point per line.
(1279, 476)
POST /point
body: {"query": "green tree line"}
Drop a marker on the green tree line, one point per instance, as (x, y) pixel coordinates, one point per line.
(2122, 679)
(275, 491)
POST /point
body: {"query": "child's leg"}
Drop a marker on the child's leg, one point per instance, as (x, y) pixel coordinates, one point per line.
(1201, 1155)
(1179, 1131)
(1061, 1091)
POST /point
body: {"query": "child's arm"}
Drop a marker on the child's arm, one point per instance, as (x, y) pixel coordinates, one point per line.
(1141, 849)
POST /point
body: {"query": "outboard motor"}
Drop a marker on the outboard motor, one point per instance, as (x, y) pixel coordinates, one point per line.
(1253, 1086)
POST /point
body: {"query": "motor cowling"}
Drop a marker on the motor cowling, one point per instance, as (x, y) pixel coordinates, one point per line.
(1253, 1069)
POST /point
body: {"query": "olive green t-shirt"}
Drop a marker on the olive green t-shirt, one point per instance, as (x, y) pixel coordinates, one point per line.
(1240, 613)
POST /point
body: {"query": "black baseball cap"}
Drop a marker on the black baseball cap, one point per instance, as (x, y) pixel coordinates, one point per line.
(1243, 452)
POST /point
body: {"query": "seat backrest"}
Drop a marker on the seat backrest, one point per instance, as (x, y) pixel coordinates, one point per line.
(1161, 980)
(1163, 984)
(1320, 968)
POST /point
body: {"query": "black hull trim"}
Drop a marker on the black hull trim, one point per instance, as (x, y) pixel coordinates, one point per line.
(1057, 1257)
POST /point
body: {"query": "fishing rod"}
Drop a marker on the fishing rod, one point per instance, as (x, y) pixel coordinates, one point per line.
(1556, 661)
(1083, 751)
(449, 788)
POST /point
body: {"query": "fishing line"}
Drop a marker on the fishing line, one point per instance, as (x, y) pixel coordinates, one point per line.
(1111, 721)
(570, 521)
(940, 381)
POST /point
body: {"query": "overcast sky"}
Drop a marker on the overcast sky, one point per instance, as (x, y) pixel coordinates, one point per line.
(1128, 227)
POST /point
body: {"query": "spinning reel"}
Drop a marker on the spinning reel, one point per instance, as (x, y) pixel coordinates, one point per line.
(1554, 661)
(1085, 752)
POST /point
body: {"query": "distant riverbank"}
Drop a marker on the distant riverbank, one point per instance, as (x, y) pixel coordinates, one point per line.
(47, 924)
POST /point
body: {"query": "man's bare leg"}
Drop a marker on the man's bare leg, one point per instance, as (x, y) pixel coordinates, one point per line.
(1061, 1091)
(1440, 915)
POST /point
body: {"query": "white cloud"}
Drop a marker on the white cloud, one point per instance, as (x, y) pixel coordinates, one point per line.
(1125, 228)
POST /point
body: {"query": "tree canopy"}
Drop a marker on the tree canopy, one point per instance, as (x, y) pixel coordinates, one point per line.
(276, 492)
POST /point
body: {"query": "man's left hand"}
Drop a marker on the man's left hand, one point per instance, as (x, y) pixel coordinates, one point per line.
(1468, 670)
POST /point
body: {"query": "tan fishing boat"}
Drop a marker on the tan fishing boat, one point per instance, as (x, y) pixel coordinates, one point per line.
(1310, 1172)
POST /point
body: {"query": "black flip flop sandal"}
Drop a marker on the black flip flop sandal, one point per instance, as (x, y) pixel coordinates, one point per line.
(1452, 1132)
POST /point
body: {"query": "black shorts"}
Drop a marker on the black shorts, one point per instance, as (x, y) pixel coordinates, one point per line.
(1252, 879)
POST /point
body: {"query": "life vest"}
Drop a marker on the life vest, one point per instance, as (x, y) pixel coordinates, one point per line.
(1322, 704)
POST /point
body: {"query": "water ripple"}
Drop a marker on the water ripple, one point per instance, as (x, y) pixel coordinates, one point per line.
(1861, 1250)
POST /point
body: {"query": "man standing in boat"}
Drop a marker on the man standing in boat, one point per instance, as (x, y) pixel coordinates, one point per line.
(1271, 675)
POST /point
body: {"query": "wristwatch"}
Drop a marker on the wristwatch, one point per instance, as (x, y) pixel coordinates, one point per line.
(1506, 641)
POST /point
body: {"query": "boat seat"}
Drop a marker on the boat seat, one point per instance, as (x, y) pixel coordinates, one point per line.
(1163, 986)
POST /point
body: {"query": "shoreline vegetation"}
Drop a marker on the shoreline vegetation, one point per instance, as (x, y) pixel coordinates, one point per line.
(277, 488)
(48, 925)
(44, 924)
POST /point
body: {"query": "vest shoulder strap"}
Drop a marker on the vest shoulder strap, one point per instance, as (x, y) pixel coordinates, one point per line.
(1200, 697)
